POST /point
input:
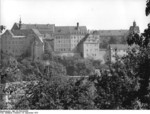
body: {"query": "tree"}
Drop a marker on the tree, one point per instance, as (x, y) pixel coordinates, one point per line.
(2, 27)
(115, 88)
(142, 59)
(73, 94)
(147, 10)
(11, 71)
(81, 67)
(113, 40)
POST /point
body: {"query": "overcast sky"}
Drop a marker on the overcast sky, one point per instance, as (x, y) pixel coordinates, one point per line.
(95, 14)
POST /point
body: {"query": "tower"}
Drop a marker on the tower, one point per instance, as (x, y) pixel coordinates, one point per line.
(134, 24)
(134, 28)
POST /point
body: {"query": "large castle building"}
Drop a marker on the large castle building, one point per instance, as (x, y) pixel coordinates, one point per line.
(36, 39)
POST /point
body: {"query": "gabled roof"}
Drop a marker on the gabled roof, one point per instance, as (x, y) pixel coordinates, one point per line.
(25, 32)
(112, 32)
(70, 30)
(14, 35)
(38, 34)
(92, 38)
(49, 27)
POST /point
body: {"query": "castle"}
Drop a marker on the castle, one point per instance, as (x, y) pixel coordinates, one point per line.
(34, 40)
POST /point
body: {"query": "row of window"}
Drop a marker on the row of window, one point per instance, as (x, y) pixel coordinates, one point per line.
(91, 45)
(65, 45)
(13, 42)
(72, 37)
(62, 45)
(94, 55)
(63, 49)
(13, 51)
(91, 50)
(118, 50)
(63, 42)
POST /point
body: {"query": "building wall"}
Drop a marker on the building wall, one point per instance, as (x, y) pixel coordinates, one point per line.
(38, 50)
(75, 39)
(13, 45)
(91, 50)
(67, 43)
(68, 54)
(48, 45)
(18, 45)
(103, 55)
(62, 43)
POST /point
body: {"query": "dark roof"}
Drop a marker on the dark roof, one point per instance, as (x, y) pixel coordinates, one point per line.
(14, 35)
(49, 27)
(46, 32)
(119, 46)
(111, 32)
(70, 30)
(25, 32)
(38, 34)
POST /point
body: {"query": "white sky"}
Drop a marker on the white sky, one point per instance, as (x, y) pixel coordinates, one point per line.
(95, 14)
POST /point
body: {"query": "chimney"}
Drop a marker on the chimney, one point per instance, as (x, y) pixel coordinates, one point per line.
(20, 23)
(77, 25)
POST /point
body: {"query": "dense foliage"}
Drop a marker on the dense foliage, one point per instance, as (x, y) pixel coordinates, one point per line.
(75, 66)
